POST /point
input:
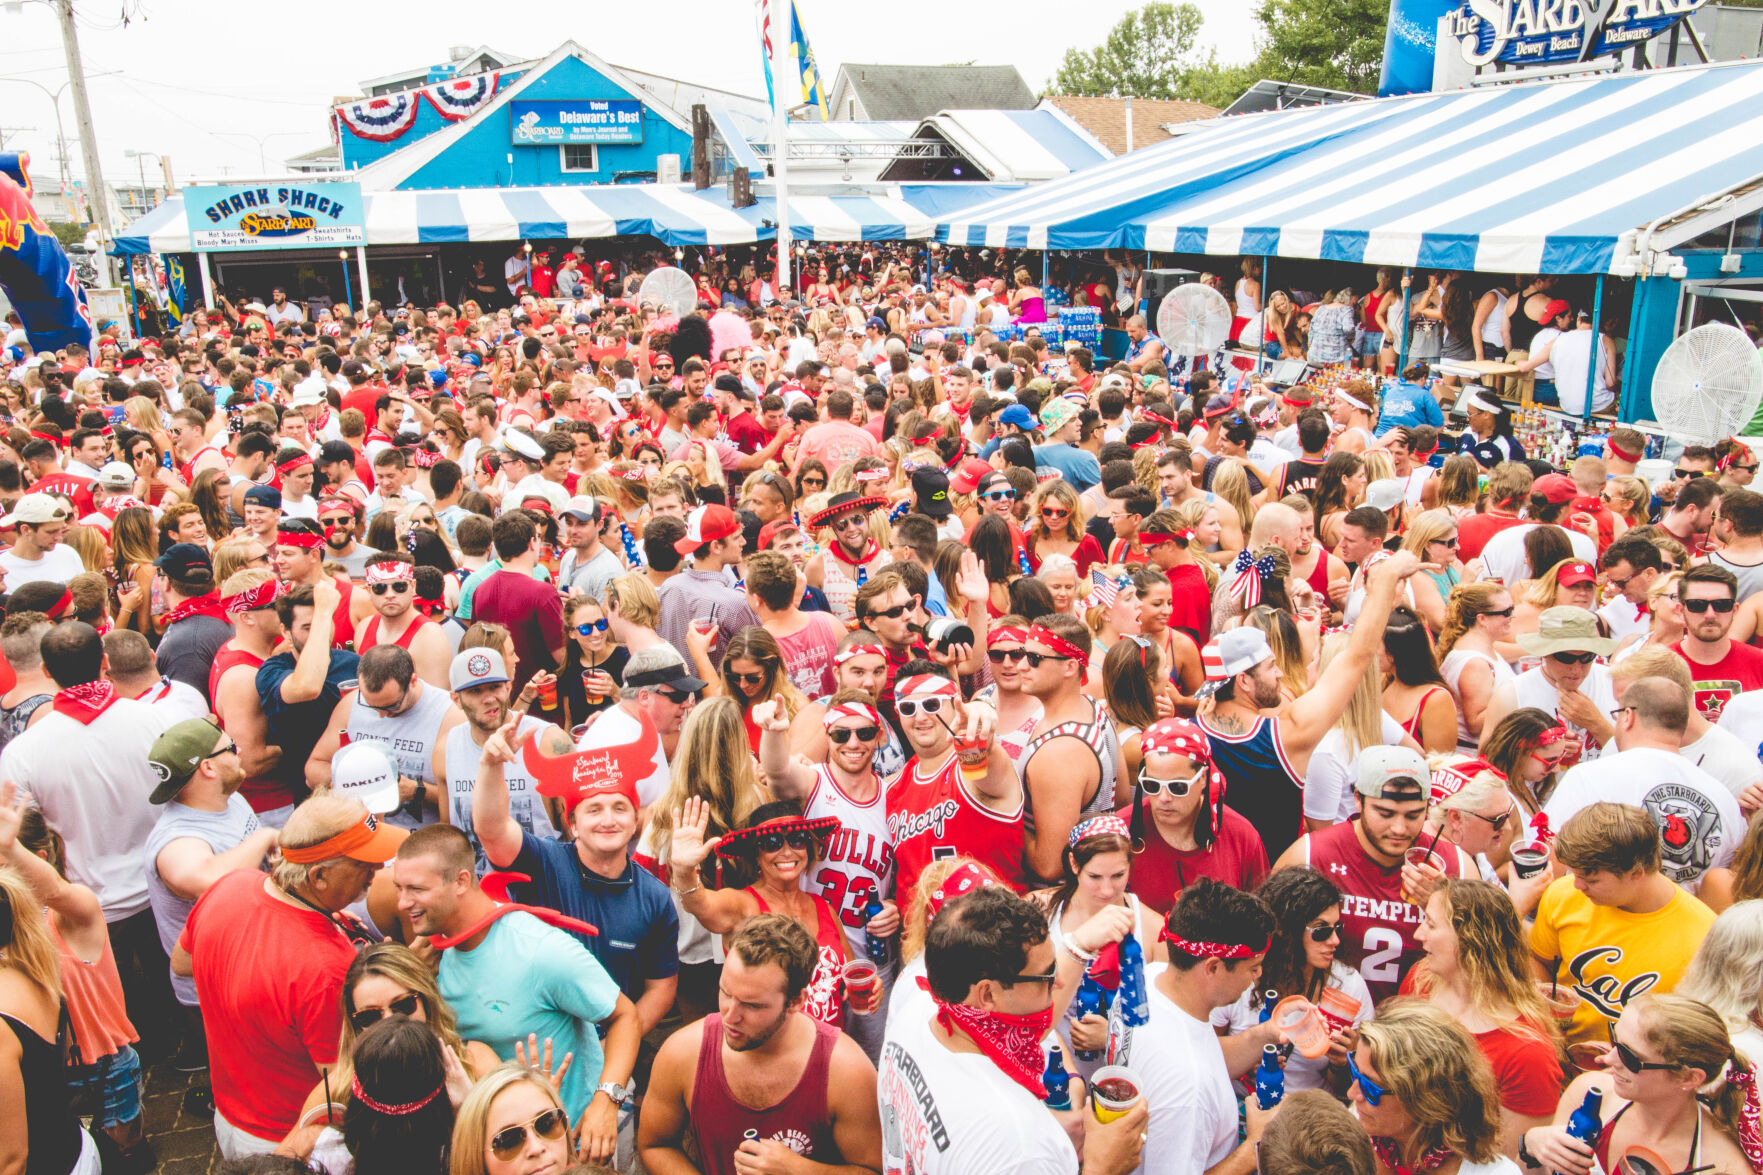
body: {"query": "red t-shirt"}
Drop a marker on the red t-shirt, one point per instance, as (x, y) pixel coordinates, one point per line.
(1160, 873)
(1717, 684)
(271, 978)
(542, 279)
(533, 612)
(1525, 1068)
(1192, 599)
(364, 398)
(78, 489)
(1475, 530)
(748, 435)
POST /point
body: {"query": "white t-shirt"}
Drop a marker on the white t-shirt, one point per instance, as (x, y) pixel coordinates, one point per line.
(1504, 554)
(1301, 1072)
(1181, 1068)
(1569, 356)
(1328, 786)
(1531, 688)
(1545, 369)
(56, 566)
(948, 1113)
(1699, 820)
(1727, 758)
(1743, 719)
(1625, 619)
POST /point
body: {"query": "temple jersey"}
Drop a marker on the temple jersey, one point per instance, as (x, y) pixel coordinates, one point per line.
(930, 818)
(1377, 926)
(460, 760)
(409, 739)
(858, 860)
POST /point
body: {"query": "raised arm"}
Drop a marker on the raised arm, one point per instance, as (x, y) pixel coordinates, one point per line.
(77, 906)
(788, 777)
(719, 910)
(310, 667)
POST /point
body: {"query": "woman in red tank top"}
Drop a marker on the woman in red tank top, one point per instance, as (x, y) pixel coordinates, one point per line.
(785, 846)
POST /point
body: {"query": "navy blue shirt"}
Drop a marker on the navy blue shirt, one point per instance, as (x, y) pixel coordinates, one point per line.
(297, 728)
(639, 927)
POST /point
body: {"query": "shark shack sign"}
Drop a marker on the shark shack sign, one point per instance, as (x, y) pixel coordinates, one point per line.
(1539, 32)
(227, 217)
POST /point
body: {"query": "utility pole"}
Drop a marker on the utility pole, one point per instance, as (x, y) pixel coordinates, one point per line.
(12, 130)
(82, 109)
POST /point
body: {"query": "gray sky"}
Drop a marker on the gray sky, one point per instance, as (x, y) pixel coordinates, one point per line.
(202, 82)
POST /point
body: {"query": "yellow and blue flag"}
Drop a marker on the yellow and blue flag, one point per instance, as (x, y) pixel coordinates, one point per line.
(813, 88)
(174, 289)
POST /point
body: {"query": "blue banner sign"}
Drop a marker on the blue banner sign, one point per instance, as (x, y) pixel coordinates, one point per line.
(587, 120)
(1547, 32)
(285, 215)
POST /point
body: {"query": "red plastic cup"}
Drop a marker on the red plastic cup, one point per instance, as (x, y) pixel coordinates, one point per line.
(863, 986)
(548, 694)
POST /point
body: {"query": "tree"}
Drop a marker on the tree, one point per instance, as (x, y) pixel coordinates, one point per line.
(1146, 55)
(1337, 44)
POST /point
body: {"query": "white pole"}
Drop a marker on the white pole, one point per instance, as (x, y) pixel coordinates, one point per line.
(207, 281)
(361, 263)
(82, 112)
(782, 86)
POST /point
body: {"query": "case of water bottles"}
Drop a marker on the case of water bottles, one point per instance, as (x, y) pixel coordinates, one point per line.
(1082, 324)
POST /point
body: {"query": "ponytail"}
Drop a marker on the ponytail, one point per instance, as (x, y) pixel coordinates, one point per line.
(1735, 1105)
(1467, 601)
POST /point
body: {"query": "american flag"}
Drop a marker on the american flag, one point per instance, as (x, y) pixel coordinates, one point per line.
(765, 47)
(1105, 590)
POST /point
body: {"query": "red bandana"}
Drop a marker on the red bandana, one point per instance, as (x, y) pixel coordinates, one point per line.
(1214, 950)
(83, 703)
(1391, 1157)
(1012, 1042)
(208, 605)
(251, 599)
(1041, 635)
(870, 551)
(496, 885)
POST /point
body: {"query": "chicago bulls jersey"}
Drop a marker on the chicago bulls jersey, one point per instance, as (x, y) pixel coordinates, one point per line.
(933, 817)
(857, 862)
(1377, 925)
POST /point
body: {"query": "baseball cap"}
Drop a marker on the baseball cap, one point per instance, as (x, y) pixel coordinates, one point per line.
(116, 476)
(1554, 309)
(36, 509)
(1573, 573)
(480, 666)
(1556, 487)
(771, 531)
(1384, 494)
(1017, 415)
(673, 675)
(878, 322)
(182, 558)
(264, 496)
(968, 474)
(308, 391)
(582, 508)
(707, 524)
(1381, 766)
(176, 754)
(1241, 649)
(930, 488)
(362, 771)
(1114, 380)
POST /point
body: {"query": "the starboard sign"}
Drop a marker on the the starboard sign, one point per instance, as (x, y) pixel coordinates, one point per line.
(1545, 32)
(274, 216)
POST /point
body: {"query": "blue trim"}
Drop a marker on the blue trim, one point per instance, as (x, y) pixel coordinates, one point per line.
(440, 220)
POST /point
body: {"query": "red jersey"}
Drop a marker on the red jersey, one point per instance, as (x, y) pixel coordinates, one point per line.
(933, 818)
(78, 490)
(1739, 671)
(263, 794)
(1160, 873)
(344, 635)
(1377, 925)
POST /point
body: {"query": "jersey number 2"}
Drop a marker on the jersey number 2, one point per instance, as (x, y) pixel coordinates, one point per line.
(1383, 953)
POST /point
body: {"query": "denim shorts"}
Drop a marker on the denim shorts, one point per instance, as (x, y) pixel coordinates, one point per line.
(109, 1088)
(1545, 393)
(1371, 343)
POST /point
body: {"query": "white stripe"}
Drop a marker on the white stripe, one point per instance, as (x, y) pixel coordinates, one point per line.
(391, 218)
(487, 218)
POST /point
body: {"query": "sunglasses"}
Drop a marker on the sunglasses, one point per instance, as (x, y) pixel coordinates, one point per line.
(228, 749)
(1451, 543)
(1629, 1058)
(910, 706)
(999, 656)
(771, 842)
(1323, 931)
(1050, 512)
(748, 678)
(1046, 977)
(999, 496)
(1178, 788)
(404, 1005)
(814, 483)
(1372, 1091)
(1573, 658)
(840, 735)
(1701, 606)
(397, 589)
(389, 707)
(337, 520)
(1035, 659)
(1681, 473)
(1506, 612)
(1496, 822)
(592, 626)
(678, 697)
(890, 613)
(550, 1126)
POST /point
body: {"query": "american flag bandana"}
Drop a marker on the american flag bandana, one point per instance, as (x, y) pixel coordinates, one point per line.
(1105, 589)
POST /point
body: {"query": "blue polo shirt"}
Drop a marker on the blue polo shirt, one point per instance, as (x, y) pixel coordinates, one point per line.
(638, 924)
(1407, 404)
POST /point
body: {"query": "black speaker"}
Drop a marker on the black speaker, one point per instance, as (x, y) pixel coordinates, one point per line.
(1158, 283)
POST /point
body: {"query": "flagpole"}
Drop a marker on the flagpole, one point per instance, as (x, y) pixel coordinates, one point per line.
(782, 86)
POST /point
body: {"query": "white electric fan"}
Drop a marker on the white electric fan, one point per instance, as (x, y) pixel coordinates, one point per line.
(669, 290)
(1708, 384)
(1193, 319)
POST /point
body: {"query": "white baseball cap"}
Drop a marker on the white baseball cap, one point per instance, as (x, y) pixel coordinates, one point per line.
(363, 771)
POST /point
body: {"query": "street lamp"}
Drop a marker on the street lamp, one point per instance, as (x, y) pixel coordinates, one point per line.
(348, 290)
(54, 97)
(141, 171)
(262, 157)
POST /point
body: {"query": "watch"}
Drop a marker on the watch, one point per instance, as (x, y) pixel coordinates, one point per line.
(618, 1093)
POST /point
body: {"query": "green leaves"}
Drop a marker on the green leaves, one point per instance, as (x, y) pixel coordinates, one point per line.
(1146, 55)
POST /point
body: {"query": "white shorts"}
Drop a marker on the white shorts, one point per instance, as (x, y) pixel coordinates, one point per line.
(237, 1144)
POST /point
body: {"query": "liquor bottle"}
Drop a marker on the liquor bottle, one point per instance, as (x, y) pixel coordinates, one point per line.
(1270, 1079)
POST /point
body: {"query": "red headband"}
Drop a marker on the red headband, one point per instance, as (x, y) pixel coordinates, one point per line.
(1213, 950)
(963, 880)
(858, 651)
(293, 463)
(330, 500)
(1150, 538)
(46, 436)
(862, 711)
(300, 539)
(1621, 452)
(59, 608)
(252, 598)
(1043, 635)
(398, 1110)
(1009, 632)
(929, 684)
(390, 571)
(1552, 735)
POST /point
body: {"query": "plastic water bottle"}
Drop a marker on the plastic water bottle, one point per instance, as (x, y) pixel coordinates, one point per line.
(1092, 999)
(1135, 1001)
(1587, 1123)
(1270, 1078)
(877, 947)
(1057, 1081)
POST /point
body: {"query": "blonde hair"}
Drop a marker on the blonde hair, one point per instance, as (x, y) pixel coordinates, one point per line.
(1432, 1066)
(636, 598)
(1467, 601)
(31, 952)
(1189, 515)
(1378, 466)
(143, 414)
(317, 819)
(88, 544)
(1490, 953)
(1361, 723)
(913, 922)
(1425, 527)
(1545, 589)
(242, 581)
(1692, 1035)
(713, 762)
(1231, 482)
(1653, 661)
(471, 1128)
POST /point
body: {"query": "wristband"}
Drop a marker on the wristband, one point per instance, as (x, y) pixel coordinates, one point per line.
(1524, 1155)
(682, 893)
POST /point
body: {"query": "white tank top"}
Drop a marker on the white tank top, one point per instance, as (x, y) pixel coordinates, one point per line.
(1246, 307)
(969, 313)
(409, 738)
(1452, 669)
(1490, 330)
(858, 860)
(460, 760)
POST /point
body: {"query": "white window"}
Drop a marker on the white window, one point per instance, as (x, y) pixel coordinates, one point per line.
(579, 157)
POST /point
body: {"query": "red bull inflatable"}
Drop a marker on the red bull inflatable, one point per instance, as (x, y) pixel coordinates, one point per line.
(35, 272)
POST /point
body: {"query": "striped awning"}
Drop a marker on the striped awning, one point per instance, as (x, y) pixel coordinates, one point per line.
(678, 215)
(1544, 177)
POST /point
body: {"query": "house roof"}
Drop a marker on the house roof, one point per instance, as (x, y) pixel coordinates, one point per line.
(894, 92)
(418, 75)
(1105, 118)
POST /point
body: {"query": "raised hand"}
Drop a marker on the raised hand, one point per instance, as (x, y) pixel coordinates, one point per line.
(689, 847)
(771, 715)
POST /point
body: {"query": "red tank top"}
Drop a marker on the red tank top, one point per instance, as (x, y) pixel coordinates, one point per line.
(1377, 926)
(822, 998)
(1318, 577)
(929, 819)
(344, 636)
(264, 795)
(800, 1121)
(187, 469)
(370, 633)
(1412, 726)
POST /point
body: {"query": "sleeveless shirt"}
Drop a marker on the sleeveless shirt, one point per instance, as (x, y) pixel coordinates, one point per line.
(95, 1010)
(460, 760)
(821, 999)
(220, 831)
(1451, 669)
(1098, 734)
(933, 818)
(48, 1116)
(370, 633)
(1261, 782)
(409, 738)
(14, 719)
(263, 793)
(720, 1122)
(857, 862)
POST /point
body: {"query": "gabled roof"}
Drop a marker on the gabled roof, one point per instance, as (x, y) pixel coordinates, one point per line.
(502, 60)
(1105, 118)
(893, 92)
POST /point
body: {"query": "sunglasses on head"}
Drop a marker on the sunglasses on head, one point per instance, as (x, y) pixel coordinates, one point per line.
(999, 656)
(1178, 788)
(840, 735)
(678, 697)
(796, 838)
(1701, 606)
(550, 1126)
(1573, 658)
(1371, 1090)
(1323, 931)
(404, 1005)
(397, 589)
(911, 706)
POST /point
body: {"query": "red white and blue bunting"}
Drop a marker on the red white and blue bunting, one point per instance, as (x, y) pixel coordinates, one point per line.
(463, 97)
(383, 119)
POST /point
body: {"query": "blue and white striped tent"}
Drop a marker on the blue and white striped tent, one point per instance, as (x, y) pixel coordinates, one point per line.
(678, 215)
(1543, 177)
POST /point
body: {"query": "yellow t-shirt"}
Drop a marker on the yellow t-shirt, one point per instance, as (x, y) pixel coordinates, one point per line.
(1609, 956)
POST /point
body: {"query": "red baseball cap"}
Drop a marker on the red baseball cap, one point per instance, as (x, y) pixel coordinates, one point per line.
(967, 475)
(1556, 487)
(771, 530)
(707, 524)
(1574, 573)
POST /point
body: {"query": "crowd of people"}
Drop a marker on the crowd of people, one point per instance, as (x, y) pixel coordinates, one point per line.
(818, 734)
